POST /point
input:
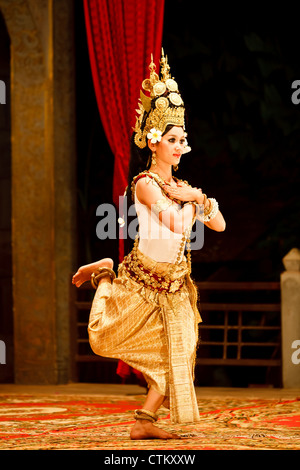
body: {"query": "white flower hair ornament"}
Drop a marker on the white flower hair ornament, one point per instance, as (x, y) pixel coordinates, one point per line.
(186, 147)
(154, 135)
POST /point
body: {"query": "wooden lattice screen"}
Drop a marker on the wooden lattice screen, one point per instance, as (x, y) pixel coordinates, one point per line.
(241, 324)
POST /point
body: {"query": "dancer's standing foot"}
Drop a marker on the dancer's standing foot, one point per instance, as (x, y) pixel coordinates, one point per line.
(143, 429)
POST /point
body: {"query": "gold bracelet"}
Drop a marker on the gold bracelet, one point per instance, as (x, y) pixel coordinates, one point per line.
(207, 209)
(146, 415)
(190, 202)
(96, 279)
(101, 272)
(213, 210)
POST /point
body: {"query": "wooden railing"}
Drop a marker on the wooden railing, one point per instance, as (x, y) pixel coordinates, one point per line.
(80, 305)
(241, 324)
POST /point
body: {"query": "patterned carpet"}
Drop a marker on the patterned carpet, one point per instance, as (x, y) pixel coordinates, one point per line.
(103, 422)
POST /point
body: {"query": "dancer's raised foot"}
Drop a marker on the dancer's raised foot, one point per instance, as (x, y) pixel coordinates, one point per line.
(84, 272)
(143, 429)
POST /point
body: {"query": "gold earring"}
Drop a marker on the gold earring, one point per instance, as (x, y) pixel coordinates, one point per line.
(175, 167)
(153, 158)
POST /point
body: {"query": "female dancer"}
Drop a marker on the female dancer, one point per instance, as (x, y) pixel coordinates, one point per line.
(147, 316)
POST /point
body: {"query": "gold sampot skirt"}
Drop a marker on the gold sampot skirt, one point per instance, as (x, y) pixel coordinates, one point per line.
(156, 333)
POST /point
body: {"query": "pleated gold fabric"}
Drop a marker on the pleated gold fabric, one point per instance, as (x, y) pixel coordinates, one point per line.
(156, 333)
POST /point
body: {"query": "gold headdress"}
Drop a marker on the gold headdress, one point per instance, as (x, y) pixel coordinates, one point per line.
(164, 106)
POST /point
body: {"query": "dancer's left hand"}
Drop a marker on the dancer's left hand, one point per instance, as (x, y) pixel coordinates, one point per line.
(185, 193)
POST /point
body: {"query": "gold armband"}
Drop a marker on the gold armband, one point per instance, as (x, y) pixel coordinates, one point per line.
(161, 205)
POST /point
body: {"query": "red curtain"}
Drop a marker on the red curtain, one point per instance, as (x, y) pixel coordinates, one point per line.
(121, 36)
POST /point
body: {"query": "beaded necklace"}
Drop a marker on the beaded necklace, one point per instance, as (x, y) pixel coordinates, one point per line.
(159, 180)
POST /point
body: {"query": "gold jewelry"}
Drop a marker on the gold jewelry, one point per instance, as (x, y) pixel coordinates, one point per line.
(101, 272)
(186, 235)
(159, 180)
(145, 415)
(207, 209)
(157, 111)
(161, 205)
(209, 212)
(213, 210)
(175, 167)
(135, 269)
(153, 161)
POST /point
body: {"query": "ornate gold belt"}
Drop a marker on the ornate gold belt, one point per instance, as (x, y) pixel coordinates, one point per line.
(139, 273)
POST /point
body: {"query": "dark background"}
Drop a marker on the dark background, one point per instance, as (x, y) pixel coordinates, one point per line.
(243, 129)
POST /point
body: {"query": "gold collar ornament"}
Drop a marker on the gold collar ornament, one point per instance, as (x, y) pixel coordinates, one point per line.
(162, 107)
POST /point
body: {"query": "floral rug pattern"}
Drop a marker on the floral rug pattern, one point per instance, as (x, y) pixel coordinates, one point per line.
(104, 422)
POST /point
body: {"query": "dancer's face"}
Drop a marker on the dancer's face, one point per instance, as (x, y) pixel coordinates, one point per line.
(170, 148)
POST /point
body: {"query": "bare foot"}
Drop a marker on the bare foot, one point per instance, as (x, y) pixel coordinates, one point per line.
(146, 430)
(84, 272)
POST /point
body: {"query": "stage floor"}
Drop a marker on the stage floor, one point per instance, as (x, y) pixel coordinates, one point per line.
(100, 416)
(119, 389)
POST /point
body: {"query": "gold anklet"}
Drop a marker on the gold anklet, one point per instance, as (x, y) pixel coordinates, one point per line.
(101, 272)
(146, 415)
